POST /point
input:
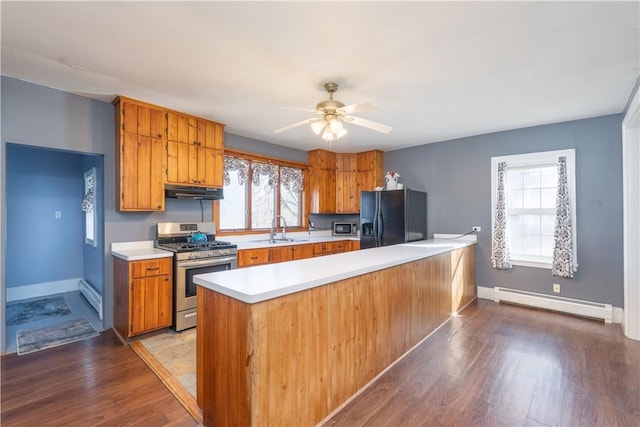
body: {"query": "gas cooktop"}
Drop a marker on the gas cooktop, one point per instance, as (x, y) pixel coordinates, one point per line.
(188, 246)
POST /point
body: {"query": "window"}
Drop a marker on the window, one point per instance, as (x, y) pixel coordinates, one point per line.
(530, 190)
(88, 206)
(258, 188)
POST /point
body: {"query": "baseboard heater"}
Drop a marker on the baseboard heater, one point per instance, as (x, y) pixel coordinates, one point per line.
(594, 310)
(94, 298)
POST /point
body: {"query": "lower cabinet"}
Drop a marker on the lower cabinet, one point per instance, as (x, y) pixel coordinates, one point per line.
(290, 253)
(328, 248)
(143, 292)
(250, 257)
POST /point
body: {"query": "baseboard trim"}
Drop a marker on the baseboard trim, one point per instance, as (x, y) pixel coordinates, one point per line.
(42, 289)
(548, 304)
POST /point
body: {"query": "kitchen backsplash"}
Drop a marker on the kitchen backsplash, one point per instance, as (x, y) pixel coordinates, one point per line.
(323, 221)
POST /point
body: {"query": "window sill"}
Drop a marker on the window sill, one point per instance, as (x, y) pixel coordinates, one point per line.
(531, 263)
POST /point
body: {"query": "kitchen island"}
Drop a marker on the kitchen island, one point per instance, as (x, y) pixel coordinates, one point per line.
(289, 343)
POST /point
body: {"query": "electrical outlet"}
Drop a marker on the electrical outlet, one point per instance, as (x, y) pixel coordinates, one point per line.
(476, 228)
(556, 288)
(58, 215)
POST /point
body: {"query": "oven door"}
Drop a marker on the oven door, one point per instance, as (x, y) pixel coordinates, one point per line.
(185, 292)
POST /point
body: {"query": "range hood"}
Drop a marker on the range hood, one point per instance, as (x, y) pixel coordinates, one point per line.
(197, 193)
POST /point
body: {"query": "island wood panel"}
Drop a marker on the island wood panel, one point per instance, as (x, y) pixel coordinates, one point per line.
(310, 351)
(223, 367)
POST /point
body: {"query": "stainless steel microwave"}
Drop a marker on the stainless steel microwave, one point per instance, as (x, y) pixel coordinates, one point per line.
(344, 229)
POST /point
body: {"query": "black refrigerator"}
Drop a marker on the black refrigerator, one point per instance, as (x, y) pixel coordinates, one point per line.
(392, 217)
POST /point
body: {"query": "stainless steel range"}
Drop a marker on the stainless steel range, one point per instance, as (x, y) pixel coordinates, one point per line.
(196, 251)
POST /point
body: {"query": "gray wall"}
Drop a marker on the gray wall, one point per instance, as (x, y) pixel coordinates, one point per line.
(456, 176)
(260, 147)
(43, 117)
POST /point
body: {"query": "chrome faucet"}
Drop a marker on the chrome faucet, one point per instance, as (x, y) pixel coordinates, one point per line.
(273, 224)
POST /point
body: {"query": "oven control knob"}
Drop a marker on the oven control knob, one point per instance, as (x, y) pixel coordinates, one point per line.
(192, 256)
(211, 253)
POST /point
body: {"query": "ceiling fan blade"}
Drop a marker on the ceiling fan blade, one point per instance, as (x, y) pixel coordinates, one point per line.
(306, 110)
(300, 123)
(367, 124)
(356, 108)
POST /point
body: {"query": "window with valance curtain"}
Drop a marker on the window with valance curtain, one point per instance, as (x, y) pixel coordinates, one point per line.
(533, 211)
(274, 189)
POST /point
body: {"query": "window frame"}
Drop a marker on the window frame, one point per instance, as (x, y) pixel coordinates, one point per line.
(531, 160)
(304, 199)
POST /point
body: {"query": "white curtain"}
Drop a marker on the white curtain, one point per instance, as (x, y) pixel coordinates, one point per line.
(500, 246)
(563, 251)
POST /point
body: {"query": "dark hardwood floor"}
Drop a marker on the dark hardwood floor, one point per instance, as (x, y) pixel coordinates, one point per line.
(511, 366)
(95, 382)
(493, 365)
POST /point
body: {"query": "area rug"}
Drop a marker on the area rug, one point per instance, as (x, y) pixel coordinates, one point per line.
(30, 340)
(19, 312)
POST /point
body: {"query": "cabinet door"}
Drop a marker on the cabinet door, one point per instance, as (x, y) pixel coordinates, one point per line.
(302, 251)
(142, 120)
(194, 151)
(177, 127)
(280, 254)
(249, 257)
(142, 168)
(347, 192)
(151, 303)
(323, 191)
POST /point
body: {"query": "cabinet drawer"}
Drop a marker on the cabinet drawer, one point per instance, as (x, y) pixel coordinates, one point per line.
(250, 257)
(151, 267)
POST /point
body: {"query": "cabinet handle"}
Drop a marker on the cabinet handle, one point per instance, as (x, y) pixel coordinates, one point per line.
(254, 257)
(153, 269)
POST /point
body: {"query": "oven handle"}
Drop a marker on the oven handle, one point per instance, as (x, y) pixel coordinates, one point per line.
(206, 262)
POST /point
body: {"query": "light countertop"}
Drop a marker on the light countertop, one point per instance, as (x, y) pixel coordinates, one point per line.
(260, 283)
(258, 241)
(135, 251)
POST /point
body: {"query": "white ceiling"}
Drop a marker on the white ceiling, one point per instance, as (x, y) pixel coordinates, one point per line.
(436, 70)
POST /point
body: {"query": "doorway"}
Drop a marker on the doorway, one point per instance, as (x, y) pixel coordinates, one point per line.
(46, 248)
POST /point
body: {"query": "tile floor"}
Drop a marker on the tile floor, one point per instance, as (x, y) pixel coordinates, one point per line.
(80, 308)
(176, 351)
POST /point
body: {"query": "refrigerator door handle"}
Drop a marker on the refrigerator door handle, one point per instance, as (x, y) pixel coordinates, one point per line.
(380, 229)
(378, 222)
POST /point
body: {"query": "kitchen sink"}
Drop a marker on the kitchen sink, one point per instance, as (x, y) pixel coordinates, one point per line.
(287, 240)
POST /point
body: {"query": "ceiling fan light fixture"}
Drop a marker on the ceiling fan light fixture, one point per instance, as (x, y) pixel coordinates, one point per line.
(342, 132)
(327, 135)
(335, 125)
(317, 127)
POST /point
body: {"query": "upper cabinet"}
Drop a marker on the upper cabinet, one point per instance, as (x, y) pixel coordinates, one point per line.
(194, 151)
(322, 181)
(140, 156)
(336, 179)
(155, 146)
(347, 195)
(370, 170)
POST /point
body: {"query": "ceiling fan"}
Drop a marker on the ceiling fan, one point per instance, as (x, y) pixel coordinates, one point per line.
(332, 113)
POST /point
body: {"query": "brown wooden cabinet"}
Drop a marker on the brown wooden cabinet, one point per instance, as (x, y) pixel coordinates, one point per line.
(370, 170)
(143, 292)
(194, 151)
(290, 253)
(329, 248)
(140, 156)
(322, 181)
(336, 179)
(347, 195)
(250, 257)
